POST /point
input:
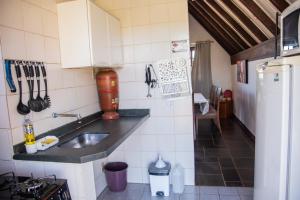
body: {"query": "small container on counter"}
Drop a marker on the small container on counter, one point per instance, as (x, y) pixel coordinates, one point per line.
(30, 143)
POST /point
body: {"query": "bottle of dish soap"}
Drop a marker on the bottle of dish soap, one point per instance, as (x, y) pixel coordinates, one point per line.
(29, 136)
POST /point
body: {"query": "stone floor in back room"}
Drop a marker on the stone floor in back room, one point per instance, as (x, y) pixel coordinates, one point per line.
(142, 192)
(224, 160)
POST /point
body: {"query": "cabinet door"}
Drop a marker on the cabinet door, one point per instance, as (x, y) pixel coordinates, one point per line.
(73, 34)
(99, 40)
(116, 52)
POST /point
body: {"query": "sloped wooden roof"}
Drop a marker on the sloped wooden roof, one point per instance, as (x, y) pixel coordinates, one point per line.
(238, 25)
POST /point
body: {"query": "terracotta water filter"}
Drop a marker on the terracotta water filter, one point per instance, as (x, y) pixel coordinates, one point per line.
(108, 91)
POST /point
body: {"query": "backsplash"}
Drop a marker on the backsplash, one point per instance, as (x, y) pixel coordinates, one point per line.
(148, 27)
(29, 31)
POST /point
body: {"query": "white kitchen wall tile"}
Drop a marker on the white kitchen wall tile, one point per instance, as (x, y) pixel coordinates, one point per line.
(160, 32)
(139, 3)
(84, 77)
(158, 107)
(148, 157)
(105, 4)
(183, 125)
(149, 142)
(168, 156)
(145, 175)
(165, 143)
(4, 120)
(2, 78)
(11, 13)
(50, 24)
(13, 43)
(184, 142)
(133, 143)
(17, 135)
(68, 78)
(159, 13)
(158, 125)
(189, 176)
(134, 175)
(116, 156)
(6, 166)
(126, 91)
(141, 34)
(160, 51)
(25, 168)
(142, 53)
(153, 2)
(177, 11)
(48, 4)
(124, 15)
(32, 18)
(183, 106)
(120, 4)
(127, 36)
(16, 120)
(54, 74)
(133, 159)
(179, 30)
(140, 72)
(140, 16)
(186, 159)
(6, 150)
(35, 47)
(52, 50)
(126, 73)
(128, 54)
(127, 104)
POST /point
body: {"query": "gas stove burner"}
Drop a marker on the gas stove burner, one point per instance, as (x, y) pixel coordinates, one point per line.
(7, 182)
(32, 185)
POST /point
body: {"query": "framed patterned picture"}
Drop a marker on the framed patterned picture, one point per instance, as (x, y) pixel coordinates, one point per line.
(242, 71)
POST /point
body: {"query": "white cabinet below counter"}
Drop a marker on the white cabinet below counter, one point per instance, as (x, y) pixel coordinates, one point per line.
(89, 36)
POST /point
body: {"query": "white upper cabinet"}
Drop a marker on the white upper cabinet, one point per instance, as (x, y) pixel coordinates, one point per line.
(89, 37)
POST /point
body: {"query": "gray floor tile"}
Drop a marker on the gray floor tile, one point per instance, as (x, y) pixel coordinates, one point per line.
(245, 191)
(229, 197)
(209, 197)
(228, 190)
(191, 189)
(246, 197)
(191, 196)
(208, 190)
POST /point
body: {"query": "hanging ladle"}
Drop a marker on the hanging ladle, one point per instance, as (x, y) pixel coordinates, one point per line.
(38, 99)
(21, 108)
(33, 104)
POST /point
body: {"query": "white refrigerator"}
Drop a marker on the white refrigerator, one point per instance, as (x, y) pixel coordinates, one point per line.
(277, 150)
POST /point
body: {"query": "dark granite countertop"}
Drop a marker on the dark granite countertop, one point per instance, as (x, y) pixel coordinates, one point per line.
(118, 131)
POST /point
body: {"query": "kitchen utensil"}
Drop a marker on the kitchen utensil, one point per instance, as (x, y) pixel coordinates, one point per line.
(47, 100)
(9, 78)
(21, 108)
(33, 104)
(152, 83)
(38, 97)
(26, 72)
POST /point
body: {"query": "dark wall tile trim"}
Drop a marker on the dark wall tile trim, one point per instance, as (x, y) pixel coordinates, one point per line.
(247, 132)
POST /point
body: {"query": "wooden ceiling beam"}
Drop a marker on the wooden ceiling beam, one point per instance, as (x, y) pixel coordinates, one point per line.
(212, 31)
(217, 19)
(230, 20)
(245, 20)
(260, 15)
(280, 4)
(217, 27)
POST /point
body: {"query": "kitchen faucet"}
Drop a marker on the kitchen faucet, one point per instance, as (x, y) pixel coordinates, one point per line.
(78, 116)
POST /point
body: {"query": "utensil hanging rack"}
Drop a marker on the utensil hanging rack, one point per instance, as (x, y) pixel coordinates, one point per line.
(31, 70)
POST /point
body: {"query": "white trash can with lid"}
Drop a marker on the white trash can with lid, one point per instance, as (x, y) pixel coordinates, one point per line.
(159, 173)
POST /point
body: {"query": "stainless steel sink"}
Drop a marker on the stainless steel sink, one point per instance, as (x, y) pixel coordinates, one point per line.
(84, 140)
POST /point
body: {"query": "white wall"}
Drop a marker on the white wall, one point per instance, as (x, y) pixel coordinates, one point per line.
(148, 27)
(244, 95)
(29, 31)
(220, 59)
